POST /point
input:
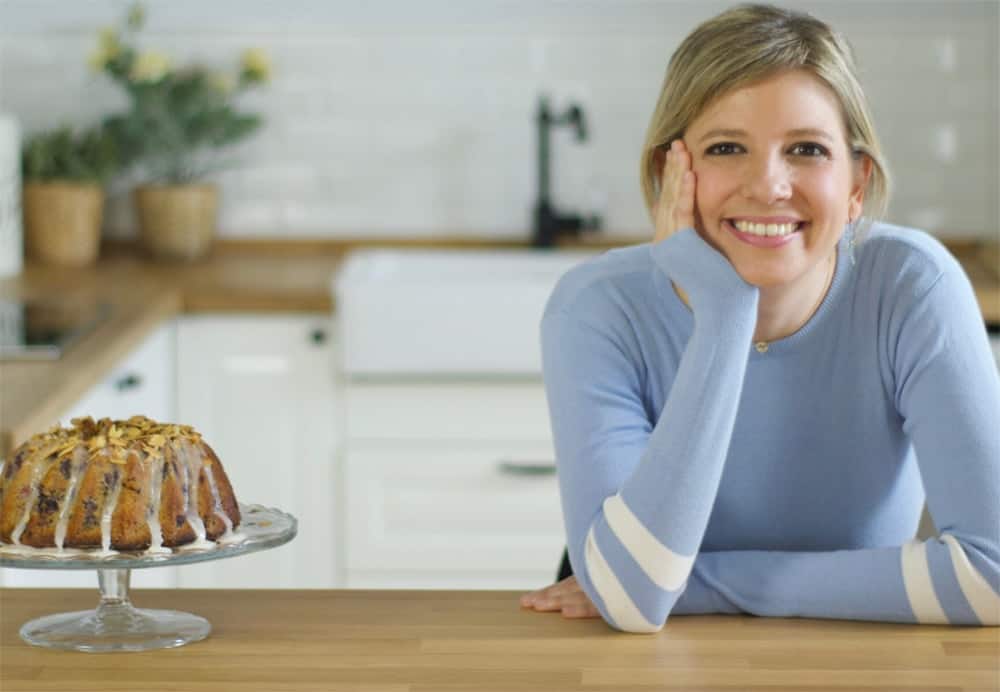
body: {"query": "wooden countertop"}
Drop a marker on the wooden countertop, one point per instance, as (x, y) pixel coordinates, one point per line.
(410, 641)
(245, 275)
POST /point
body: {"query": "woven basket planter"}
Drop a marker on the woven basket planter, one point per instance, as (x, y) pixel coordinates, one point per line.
(176, 222)
(62, 222)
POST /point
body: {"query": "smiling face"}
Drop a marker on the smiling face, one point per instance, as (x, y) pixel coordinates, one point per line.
(776, 182)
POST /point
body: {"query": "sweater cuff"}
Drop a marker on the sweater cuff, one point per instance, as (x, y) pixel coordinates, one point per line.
(705, 274)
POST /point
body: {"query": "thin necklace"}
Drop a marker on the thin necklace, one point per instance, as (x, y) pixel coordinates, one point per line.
(763, 346)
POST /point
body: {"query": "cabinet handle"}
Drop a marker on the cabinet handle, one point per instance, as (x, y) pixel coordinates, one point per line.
(130, 381)
(318, 336)
(512, 467)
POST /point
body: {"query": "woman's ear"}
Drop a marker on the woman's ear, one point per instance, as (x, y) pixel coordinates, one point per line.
(862, 174)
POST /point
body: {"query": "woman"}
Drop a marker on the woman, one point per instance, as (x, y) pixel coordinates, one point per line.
(748, 411)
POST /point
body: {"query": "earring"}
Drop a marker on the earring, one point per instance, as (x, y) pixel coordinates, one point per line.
(851, 238)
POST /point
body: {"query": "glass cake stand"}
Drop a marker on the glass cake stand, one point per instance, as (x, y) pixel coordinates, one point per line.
(115, 625)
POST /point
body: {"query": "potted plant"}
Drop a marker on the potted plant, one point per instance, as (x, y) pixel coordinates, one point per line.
(64, 173)
(176, 121)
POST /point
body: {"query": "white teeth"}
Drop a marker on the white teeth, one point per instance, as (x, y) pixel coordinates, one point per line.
(769, 229)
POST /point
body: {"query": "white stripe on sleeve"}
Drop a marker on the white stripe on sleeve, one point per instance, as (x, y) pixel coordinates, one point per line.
(620, 607)
(919, 586)
(984, 601)
(667, 569)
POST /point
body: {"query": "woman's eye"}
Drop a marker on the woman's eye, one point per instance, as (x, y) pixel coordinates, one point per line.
(809, 149)
(723, 149)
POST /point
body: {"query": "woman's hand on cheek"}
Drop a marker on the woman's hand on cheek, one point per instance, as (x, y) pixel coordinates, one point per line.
(675, 208)
(566, 596)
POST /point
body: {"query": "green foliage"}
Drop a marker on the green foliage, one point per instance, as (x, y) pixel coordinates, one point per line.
(177, 118)
(91, 155)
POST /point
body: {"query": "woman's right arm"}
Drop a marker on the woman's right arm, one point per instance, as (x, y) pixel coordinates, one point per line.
(636, 495)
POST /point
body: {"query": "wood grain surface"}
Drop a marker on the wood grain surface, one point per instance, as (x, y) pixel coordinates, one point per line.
(480, 641)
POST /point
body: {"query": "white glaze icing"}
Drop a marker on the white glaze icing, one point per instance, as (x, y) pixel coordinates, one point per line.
(156, 546)
(77, 466)
(190, 478)
(217, 505)
(29, 551)
(231, 538)
(109, 509)
(33, 485)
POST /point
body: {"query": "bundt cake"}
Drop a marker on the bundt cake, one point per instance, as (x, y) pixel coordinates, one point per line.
(115, 485)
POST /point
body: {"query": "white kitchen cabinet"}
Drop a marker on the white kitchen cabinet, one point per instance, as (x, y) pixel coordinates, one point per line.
(449, 484)
(260, 390)
(461, 516)
(143, 384)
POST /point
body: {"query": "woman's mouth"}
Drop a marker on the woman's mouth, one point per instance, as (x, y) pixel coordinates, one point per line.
(764, 234)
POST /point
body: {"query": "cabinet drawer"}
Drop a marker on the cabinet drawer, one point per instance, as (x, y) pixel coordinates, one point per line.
(447, 411)
(462, 508)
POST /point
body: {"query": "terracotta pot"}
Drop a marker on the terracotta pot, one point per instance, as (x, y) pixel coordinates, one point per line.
(62, 222)
(176, 222)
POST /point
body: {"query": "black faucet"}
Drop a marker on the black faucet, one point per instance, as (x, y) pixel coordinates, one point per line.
(549, 224)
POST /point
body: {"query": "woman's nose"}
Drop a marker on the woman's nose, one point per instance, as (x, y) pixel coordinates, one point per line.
(768, 180)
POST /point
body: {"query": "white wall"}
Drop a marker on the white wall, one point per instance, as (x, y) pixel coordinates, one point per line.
(394, 117)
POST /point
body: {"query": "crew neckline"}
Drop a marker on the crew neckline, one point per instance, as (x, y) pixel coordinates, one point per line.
(815, 322)
(789, 343)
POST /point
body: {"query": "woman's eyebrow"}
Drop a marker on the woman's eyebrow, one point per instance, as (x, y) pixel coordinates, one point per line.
(811, 132)
(798, 132)
(722, 133)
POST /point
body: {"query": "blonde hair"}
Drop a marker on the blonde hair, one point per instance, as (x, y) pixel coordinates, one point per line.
(749, 43)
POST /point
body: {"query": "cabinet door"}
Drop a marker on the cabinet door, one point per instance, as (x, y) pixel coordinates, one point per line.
(260, 390)
(452, 516)
(142, 384)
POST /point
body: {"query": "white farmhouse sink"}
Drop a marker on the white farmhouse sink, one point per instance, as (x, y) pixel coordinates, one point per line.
(445, 312)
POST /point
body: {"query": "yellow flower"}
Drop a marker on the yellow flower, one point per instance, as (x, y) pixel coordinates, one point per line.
(136, 16)
(108, 40)
(151, 66)
(221, 82)
(256, 65)
(108, 48)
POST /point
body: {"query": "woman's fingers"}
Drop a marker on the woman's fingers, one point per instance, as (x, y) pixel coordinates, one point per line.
(584, 609)
(566, 596)
(550, 592)
(675, 206)
(684, 213)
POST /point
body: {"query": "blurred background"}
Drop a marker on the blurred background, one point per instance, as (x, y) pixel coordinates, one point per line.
(314, 247)
(396, 118)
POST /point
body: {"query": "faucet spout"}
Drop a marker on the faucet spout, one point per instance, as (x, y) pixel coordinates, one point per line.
(548, 223)
(574, 116)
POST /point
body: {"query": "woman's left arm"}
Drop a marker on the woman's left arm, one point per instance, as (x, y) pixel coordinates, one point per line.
(947, 392)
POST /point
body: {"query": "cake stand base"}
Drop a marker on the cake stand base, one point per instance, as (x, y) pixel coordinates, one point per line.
(130, 630)
(115, 625)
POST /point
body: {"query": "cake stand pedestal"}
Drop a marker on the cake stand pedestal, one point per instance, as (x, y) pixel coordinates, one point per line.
(116, 625)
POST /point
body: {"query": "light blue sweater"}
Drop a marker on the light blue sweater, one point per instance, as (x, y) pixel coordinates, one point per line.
(699, 475)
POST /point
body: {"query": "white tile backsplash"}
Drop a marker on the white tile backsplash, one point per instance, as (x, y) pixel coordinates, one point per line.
(396, 118)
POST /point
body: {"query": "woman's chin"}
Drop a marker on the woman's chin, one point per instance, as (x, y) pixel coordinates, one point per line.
(756, 276)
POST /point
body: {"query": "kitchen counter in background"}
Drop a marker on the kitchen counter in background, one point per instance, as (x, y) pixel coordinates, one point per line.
(241, 276)
(407, 641)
